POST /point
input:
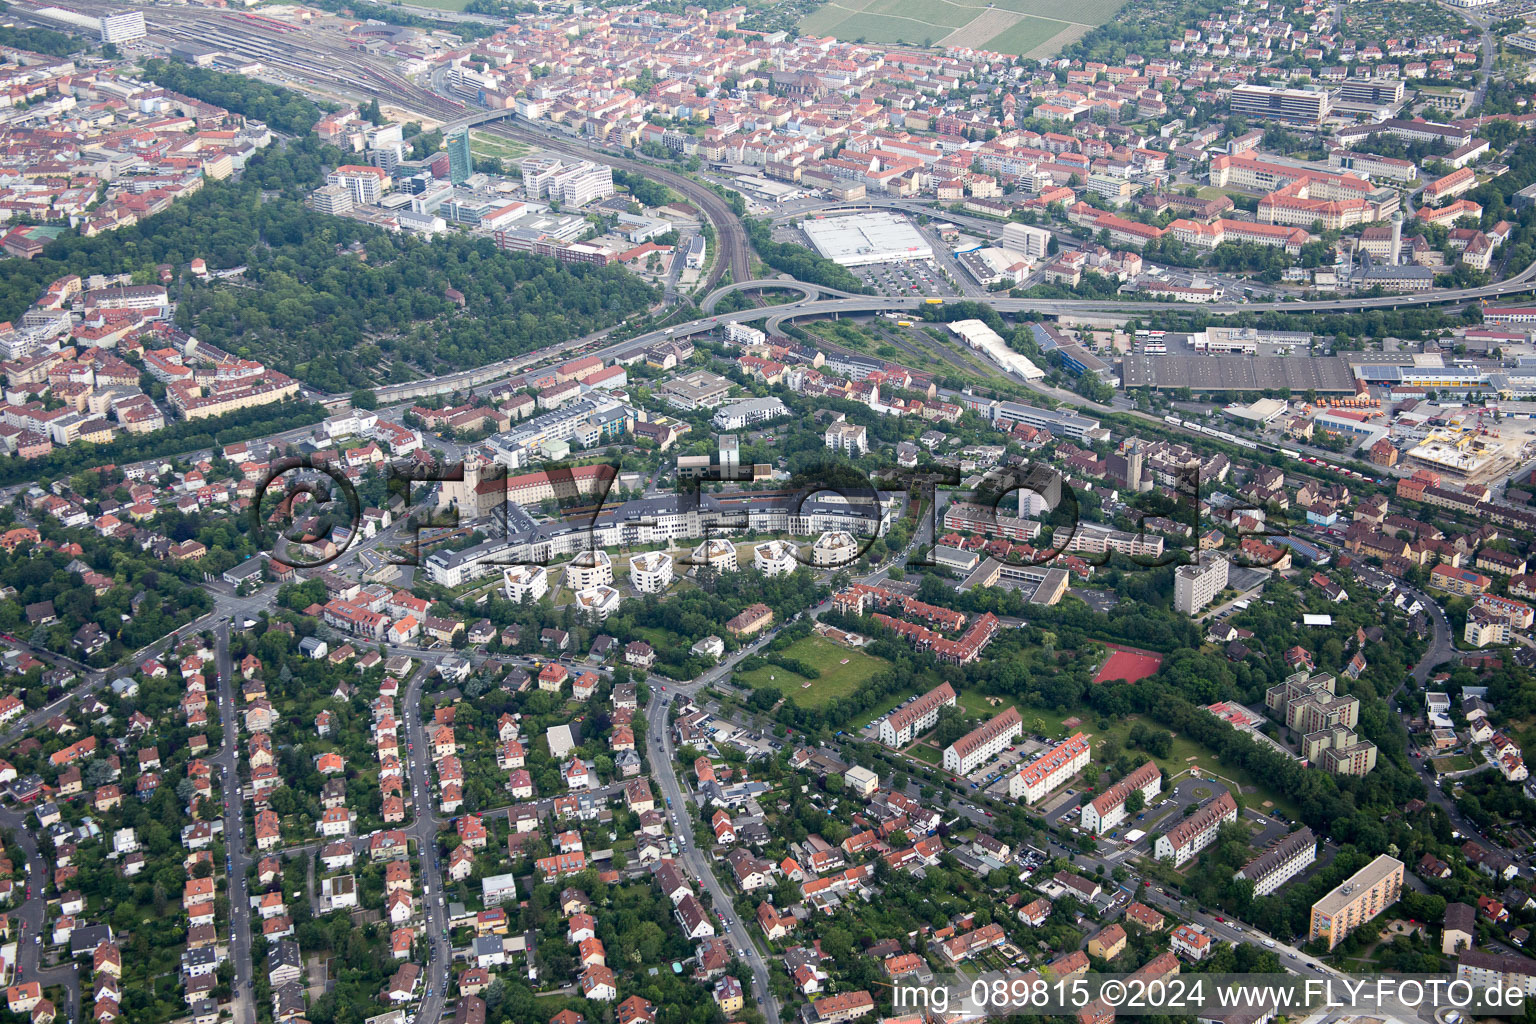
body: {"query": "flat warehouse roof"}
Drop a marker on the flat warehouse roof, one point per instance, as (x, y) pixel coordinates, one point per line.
(867, 238)
(1240, 373)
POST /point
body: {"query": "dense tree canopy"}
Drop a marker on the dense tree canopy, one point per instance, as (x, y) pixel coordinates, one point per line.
(280, 109)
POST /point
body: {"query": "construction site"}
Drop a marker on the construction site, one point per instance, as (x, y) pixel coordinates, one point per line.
(1474, 445)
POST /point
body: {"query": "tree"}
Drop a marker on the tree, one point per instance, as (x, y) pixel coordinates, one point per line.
(949, 727)
(1135, 802)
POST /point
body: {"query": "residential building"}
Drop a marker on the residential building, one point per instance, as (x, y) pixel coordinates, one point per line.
(1357, 900)
(983, 743)
(1196, 832)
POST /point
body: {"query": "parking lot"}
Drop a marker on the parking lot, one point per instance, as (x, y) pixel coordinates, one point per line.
(992, 778)
(917, 277)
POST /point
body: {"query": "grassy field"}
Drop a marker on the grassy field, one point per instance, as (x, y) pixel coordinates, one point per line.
(486, 144)
(837, 679)
(1033, 27)
(923, 752)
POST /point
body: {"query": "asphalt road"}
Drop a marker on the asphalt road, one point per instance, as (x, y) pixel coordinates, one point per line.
(30, 915)
(423, 829)
(664, 766)
(236, 849)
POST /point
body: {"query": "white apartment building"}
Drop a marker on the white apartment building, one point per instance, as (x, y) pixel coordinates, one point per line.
(1050, 771)
(1195, 586)
(834, 548)
(597, 602)
(1107, 810)
(847, 437)
(752, 410)
(717, 553)
(589, 569)
(1092, 541)
(525, 581)
(651, 572)
(983, 743)
(1497, 970)
(910, 721)
(741, 334)
(775, 558)
(1286, 858)
(1195, 832)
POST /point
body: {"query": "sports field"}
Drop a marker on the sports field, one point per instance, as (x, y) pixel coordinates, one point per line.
(1128, 664)
(1032, 28)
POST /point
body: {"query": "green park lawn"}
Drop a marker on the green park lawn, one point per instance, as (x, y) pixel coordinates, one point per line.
(837, 679)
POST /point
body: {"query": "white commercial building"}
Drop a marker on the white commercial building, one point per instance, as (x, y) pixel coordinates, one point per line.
(525, 581)
(366, 184)
(570, 184)
(1195, 586)
(991, 344)
(651, 572)
(866, 238)
(775, 558)
(123, 27)
(1026, 238)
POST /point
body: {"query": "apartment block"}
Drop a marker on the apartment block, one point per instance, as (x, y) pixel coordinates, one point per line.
(1195, 832)
(983, 743)
(909, 721)
(1357, 900)
(1050, 771)
(1284, 859)
(1107, 810)
(1195, 586)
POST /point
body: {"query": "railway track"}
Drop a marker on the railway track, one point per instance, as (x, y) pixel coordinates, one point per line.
(329, 65)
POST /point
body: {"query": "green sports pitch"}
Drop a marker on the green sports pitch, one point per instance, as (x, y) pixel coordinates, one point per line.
(1032, 28)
